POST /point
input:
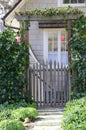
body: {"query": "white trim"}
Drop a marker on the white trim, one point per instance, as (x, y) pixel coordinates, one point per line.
(45, 45)
(59, 47)
(32, 55)
(59, 3)
(16, 9)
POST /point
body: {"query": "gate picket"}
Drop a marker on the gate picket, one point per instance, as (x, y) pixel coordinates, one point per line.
(50, 84)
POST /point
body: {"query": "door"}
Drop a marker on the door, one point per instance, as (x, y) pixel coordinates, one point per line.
(55, 46)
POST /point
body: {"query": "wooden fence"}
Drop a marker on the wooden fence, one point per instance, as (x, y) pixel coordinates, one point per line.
(50, 84)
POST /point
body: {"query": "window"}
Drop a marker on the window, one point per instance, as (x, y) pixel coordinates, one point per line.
(55, 45)
(73, 1)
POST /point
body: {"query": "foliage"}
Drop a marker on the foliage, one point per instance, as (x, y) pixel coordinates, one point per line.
(75, 115)
(52, 11)
(11, 125)
(12, 67)
(78, 64)
(6, 108)
(23, 113)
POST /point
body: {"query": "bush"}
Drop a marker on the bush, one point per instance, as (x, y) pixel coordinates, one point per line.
(13, 67)
(19, 111)
(23, 113)
(11, 125)
(5, 112)
(75, 115)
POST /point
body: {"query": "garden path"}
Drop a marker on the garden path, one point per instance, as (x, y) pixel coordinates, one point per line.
(48, 119)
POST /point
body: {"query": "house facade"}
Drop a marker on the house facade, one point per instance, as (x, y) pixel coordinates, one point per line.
(49, 40)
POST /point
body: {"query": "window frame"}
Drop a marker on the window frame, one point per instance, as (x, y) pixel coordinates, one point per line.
(61, 4)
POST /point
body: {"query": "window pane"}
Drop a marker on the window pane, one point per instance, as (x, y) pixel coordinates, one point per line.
(52, 42)
(53, 46)
(55, 43)
(73, 1)
(49, 44)
(66, 1)
(64, 48)
(80, 1)
(63, 41)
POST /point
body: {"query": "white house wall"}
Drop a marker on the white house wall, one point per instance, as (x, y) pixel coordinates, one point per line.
(35, 33)
(36, 39)
(41, 4)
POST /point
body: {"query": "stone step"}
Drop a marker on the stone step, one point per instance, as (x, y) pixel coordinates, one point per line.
(49, 120)
(48, 123)
(47, 128)
(50, 117)
(51, 111)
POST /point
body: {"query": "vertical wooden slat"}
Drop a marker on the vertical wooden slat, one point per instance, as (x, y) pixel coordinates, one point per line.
(40, 87)
(64, 82)
(30, 81)
(44, 84)
(65, 85)
(54, 82)
(69, 85)
(58, 90)
(37, 85)
(47, 96)
(51, 82)
(61, 89)
(34, 81)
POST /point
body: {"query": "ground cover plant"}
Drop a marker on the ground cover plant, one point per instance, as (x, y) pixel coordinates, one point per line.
(11, 125)
(75, 115)
(13, 116)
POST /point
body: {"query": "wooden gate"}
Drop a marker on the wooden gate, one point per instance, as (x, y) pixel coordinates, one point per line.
(50, 84)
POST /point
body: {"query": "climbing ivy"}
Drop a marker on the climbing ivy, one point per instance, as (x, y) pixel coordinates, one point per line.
(13, 57)
(52, 11)
(78, 43)
(78, 64)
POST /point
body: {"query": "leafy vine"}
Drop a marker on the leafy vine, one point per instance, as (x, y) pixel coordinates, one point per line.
(52, 11)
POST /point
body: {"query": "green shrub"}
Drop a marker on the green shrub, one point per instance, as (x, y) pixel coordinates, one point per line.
(23, 113)
(5, 112)
(13, 61)
(21, 109)
(75, 115)
(11, 125)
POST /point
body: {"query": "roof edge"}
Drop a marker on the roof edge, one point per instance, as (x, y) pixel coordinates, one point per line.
(16, 4)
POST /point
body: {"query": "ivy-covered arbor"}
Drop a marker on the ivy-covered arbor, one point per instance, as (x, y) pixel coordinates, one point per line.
(56, 17)
(74, 21)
